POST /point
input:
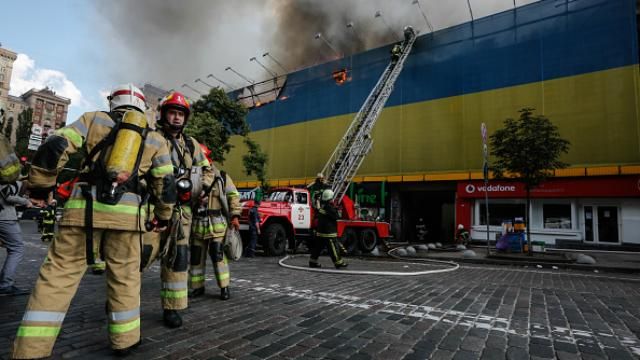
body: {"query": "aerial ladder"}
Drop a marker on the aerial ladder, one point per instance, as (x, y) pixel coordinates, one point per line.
(357, 142)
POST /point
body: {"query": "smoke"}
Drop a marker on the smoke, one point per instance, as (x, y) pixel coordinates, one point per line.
(168, 42)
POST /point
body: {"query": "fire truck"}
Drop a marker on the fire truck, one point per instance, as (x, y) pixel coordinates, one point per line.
(287, 213)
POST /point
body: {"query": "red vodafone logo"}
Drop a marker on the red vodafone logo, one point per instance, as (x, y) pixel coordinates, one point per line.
(470, 189)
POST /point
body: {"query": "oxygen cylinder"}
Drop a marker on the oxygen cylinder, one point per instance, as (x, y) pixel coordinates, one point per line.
(122, 160)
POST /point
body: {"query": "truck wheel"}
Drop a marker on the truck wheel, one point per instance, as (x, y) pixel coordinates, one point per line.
(349, 240)
(275, 239)
(368, 240)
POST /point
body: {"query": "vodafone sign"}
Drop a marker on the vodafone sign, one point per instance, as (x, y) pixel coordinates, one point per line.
(470, 189)
(621, 186)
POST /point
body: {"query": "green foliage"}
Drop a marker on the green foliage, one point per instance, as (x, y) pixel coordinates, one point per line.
(255, 162)
(528, 148)
(214, 119)
(8, 128)
(23, 131)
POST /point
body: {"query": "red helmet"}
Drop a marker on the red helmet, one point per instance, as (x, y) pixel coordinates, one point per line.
(207, 152)
(177, 101)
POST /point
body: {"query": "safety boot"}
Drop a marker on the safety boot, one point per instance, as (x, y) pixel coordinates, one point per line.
(126, 351)
(314, 265)
(197, 292)
(224, 293)
(172, 319)
(341, 265)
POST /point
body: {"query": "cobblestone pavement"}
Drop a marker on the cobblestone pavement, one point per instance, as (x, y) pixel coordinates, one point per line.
(476, 312)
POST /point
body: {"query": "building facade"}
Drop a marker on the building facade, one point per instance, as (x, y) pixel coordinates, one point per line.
(7, 58)
(575, 62)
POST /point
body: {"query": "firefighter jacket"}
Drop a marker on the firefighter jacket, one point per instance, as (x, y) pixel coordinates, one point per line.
(9, 163)
(186, 155)
(327, 221)
(128, 214)
(215, 223)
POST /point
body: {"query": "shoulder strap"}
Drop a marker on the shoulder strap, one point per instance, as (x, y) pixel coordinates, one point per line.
(191, 145)
(102, 144)
(223, 176)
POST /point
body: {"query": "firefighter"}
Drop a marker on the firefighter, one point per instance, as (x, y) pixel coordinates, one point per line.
(462, 235)
(326, 233)
(316, 188)
(105, 203)
(172, 247)
(396, 51)
(47, 222)
(209, 229)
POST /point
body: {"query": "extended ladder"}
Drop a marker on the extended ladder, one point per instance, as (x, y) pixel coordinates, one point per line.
(357, 142)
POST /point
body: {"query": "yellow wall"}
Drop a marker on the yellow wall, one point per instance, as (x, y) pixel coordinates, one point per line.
(597, 112)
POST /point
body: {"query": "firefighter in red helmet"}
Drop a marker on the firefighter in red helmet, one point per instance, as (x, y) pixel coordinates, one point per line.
(172, 247)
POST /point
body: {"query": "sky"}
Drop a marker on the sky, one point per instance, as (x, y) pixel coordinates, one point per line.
(81, 49)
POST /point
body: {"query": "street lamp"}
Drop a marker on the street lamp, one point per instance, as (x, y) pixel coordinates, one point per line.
(229, 68)
(319, 36)
(264, 67)
(351, 26)
(218, 80)
(275, 61)
(191, 88)
(379, 15)
(200, 80)
(417, 2)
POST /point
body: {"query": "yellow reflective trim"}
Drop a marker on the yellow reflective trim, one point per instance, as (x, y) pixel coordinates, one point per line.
(167, 294)
(38, 331)
(162, 170)
(327, 235)
(118, 208)
(70, 134)
(197, 278)
(10, 170)
(220, 227)
(223, 276)
(123, 328)
(204, 162)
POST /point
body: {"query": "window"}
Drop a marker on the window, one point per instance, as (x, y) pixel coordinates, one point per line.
(500, 212)
(556, 216)
(301, 198)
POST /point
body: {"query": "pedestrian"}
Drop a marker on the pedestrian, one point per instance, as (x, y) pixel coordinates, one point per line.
(11, 237)
(326, 233)
(209, 230)
(254, 229)
(173, 246)
(107, 204)
(421, 230)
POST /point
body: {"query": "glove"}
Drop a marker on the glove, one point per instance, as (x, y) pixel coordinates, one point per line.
(235, 223)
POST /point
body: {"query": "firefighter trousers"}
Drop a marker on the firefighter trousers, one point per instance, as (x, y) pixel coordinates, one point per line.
(58, 282)
(319, 243)
(200, 247)
(174, 264)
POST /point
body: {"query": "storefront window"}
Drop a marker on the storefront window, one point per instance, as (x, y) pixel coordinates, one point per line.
(557, 216)
(500, 212)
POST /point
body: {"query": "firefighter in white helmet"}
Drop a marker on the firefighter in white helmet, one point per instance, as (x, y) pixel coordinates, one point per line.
(107, 204)
(326, 232)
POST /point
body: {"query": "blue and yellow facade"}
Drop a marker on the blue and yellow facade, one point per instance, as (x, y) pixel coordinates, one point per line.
(574, 61)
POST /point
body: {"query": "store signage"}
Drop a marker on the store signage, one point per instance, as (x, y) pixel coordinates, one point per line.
(624, 186)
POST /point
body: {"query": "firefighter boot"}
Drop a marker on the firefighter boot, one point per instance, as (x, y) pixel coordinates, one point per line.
(197, 292)
(313, 263)
(224, 293)
(126, 351)
(172, 319)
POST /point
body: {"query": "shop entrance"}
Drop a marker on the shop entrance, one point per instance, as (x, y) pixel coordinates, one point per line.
(601, 224)
(436, 208)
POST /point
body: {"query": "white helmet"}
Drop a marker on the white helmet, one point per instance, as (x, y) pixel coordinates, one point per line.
(327, 195)
(127, 95)
(460, 226)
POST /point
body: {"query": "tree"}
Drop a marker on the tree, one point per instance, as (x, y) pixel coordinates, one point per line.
(23, 131)
(529, 149)
(256, 161)
(215, 118)
(8, 128)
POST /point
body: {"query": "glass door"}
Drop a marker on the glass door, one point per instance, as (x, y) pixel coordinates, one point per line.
(601, 224)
